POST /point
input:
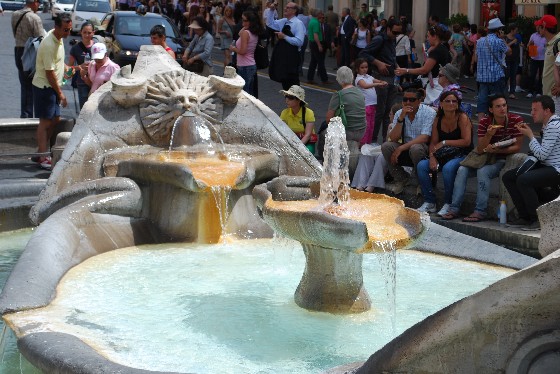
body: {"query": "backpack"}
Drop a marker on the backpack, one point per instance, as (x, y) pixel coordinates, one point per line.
(29, 57)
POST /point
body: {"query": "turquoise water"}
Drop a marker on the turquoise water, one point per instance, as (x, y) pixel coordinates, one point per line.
(229, 308)
(11, 245)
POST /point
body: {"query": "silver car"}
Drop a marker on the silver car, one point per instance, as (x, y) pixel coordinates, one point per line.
(85, 10)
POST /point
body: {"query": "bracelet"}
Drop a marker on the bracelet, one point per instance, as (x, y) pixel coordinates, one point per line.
(443, 142)
(406, 71)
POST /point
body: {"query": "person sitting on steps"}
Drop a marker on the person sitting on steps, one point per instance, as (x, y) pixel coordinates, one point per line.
(499, 125)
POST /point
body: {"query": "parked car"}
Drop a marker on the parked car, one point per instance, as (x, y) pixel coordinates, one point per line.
(126, 31)
(12, 4)
(62, 6)
(85, 10)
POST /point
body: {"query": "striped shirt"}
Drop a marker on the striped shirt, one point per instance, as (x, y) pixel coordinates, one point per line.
(30, 26)
(491, 52)
(548, 151)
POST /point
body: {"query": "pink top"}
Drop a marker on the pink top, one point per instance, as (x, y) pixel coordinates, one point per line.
(248, 59)
(98, 77)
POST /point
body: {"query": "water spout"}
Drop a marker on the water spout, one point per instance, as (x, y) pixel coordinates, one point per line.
(195, 131)
(335, 179)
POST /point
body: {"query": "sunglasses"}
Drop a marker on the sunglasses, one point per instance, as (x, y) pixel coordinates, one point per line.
(290, 97)
(395, 32)
(450, 101)
(410, 99)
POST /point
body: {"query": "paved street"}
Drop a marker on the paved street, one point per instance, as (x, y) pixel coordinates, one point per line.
(317, 96)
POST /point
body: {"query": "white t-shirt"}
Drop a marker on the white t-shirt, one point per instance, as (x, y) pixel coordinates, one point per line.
(370, 94)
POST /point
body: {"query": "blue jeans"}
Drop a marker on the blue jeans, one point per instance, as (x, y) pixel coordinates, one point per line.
(449, 171)
(485, 89)
(83, 94)
(483, 175)
(247, 73)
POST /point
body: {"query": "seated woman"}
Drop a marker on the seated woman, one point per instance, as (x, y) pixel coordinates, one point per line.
(158, 37)
(451, 141)
(448, 79)
(298, 117)
(372, 167)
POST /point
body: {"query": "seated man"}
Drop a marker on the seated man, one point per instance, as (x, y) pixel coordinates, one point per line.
(412, 124)
(496, 127)
(523, 188)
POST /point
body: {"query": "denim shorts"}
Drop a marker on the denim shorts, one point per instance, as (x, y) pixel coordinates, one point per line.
(45, 103)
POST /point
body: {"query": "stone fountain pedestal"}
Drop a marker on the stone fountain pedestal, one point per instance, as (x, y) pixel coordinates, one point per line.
(332, 280)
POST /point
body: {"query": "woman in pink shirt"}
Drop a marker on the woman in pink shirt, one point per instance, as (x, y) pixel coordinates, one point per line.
(245, 49)
(101, 71)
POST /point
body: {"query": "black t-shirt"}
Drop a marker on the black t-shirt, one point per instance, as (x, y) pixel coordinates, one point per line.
(442, 56)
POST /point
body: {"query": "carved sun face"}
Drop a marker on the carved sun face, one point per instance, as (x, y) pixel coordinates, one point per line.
(170, 95)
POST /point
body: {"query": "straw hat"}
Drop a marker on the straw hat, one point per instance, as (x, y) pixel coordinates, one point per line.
(194, 25)
(296, 91)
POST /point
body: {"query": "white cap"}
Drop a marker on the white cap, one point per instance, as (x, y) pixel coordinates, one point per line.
(98, 51)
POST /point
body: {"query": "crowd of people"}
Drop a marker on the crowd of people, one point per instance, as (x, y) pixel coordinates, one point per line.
(428, 130)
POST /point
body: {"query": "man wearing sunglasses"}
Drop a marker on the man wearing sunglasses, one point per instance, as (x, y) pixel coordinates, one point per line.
(381, 55)
(47, 83)
(407, 142)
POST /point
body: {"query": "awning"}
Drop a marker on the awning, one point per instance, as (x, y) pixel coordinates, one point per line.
(536, 2)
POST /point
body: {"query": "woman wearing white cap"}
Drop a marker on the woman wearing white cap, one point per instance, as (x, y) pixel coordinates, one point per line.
(100, 71)
(201, 46)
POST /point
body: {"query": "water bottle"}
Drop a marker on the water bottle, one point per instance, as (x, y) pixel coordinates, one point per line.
(503, 212)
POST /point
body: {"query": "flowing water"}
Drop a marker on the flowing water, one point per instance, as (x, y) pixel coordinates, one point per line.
(229, 308)
(11, 361)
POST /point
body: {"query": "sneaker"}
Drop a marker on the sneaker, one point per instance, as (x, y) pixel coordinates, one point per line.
(539, 95)
(396, 187)
(520, 222)
(427, 207)
(35, 159)
(534, 226)
(45, 163)
(519, 89)
(529, 95)
(444, 210)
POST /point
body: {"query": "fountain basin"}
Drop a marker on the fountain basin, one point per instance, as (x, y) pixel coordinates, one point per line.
(228, 308)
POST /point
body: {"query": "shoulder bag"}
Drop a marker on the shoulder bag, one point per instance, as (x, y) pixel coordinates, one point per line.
(339, 112)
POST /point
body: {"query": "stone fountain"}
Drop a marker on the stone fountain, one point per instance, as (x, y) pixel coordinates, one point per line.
(335, 227)
(113, 189)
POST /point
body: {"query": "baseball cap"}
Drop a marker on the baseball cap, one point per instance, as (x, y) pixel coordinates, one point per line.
(98, 51)
(548, 19)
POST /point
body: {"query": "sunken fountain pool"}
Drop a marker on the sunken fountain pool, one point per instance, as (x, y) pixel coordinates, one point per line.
(110, 206)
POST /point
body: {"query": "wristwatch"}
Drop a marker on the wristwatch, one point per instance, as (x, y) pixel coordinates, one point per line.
(400, 121)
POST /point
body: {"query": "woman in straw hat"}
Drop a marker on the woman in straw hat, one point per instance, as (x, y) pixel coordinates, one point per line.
(201, 46)
(298, 117)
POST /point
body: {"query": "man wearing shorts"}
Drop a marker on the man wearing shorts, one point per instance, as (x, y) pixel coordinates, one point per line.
(48, 97)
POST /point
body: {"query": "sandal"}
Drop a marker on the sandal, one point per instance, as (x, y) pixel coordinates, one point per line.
(475, 217)
(449, 216)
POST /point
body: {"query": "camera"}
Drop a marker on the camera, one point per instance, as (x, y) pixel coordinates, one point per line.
(417, 83)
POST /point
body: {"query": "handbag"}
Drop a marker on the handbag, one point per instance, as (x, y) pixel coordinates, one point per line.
(261, 54)
(477, 160)
(196, 66)
(448, 153)
(532, 50)
(530, 163)
(339, 112)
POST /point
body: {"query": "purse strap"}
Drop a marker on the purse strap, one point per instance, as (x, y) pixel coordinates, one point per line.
(340, 103)
(492, 53)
